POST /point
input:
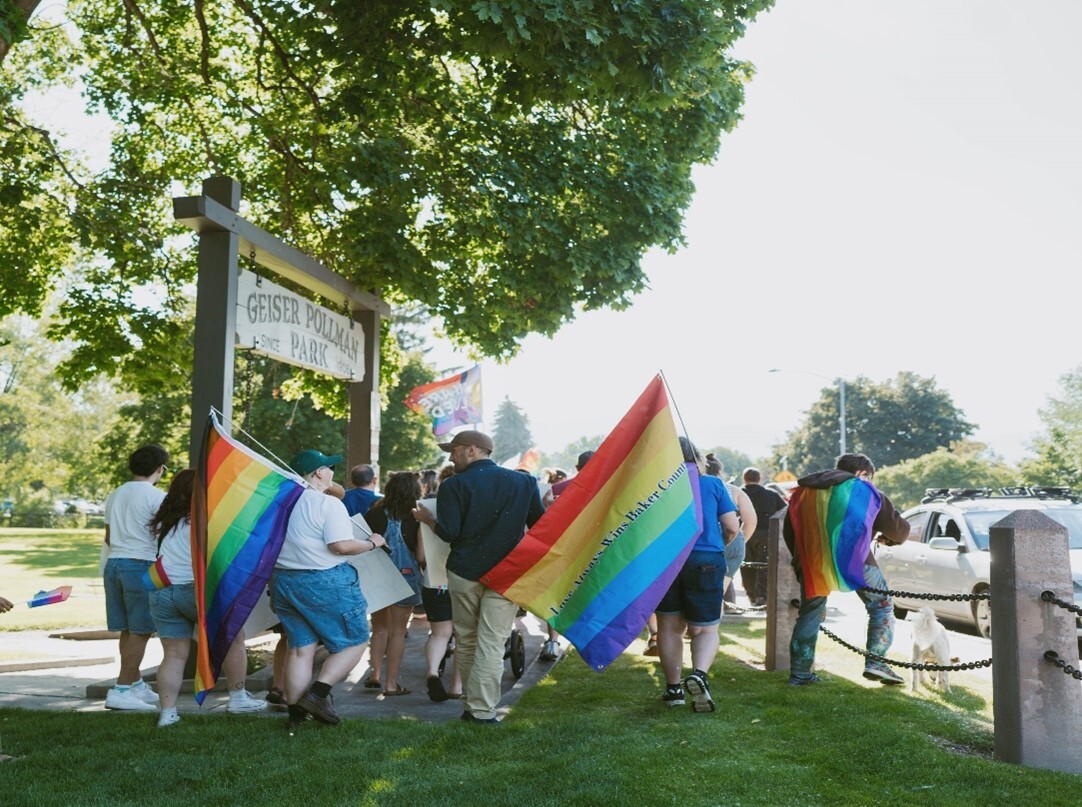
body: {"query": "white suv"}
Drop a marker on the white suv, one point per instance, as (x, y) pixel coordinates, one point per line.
(947, 551)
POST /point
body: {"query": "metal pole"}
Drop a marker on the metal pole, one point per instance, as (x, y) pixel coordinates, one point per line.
(841, 414)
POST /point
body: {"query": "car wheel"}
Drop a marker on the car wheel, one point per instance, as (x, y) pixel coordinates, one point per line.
(899, 612)
(982, 614)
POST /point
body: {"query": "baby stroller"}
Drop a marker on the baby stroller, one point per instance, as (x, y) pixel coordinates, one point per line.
(515, 649)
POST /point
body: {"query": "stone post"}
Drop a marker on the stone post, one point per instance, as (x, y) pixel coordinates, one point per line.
(1037, 708)
(782, 596)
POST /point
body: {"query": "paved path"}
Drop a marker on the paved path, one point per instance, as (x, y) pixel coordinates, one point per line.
(63, 671)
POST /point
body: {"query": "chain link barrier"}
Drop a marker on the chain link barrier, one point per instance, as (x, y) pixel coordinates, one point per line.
(1050, 596)
(969, 665)
(910, 595)
(1053, 657)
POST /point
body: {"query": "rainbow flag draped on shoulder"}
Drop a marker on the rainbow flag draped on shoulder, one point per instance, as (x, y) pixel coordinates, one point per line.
(240, 507)
(832, 531)
(598, 562)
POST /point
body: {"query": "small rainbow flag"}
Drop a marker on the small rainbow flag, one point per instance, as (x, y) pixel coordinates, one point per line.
(598, 562)
(155, 577)
(832, 531)
(449, 402)
(49, 597)
(240, 508)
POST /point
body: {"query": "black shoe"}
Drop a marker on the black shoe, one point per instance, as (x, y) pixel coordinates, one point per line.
(488, 721)
(696, 686)
(803, 680)
(321, 709)
(436, 691)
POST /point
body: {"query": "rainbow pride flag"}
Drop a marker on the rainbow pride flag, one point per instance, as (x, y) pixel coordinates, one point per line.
(832, 531)
(155, 577)
(240, 507)
(598, 562)
(449, 402)
(49, 597)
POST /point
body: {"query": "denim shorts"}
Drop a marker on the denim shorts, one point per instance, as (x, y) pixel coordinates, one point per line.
(437, 604)
(174, 611)
(413, 599)
(696, 592)
(320, 605)
(127, 606)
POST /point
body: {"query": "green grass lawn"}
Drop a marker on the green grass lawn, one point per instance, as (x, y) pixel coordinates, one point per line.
(32, 560)
(578, 738)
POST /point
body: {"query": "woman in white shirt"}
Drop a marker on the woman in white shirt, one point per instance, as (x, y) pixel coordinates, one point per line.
(174, 607)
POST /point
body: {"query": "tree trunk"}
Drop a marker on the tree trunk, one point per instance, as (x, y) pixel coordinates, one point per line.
(25, 8)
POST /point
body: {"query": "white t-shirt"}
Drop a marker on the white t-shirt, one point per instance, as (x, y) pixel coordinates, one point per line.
(176, 553)
(128, 512)
(316, 520)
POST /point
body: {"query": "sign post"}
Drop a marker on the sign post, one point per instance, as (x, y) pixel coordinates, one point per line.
(235, 309)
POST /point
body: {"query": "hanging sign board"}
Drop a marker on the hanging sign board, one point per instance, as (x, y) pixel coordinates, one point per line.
(276, 322)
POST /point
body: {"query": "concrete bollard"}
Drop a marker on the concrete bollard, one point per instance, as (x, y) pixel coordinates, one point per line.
(782, 596)
(1037, 708)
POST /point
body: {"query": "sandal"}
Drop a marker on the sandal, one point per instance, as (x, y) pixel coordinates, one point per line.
(373, 683)
(390, 693)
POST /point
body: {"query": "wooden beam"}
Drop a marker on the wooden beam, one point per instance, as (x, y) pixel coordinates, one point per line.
(204, 215)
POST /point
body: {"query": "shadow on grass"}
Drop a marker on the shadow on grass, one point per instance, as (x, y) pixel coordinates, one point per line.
(960, 697)
(54, 554)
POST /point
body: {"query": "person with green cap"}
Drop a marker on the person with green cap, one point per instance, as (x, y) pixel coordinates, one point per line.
(316, 594)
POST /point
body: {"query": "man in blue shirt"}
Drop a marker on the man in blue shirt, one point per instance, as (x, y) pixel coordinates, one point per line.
(482, 512)
(363, 493)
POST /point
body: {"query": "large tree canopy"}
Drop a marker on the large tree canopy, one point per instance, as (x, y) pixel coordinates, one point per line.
(506, 163)
(905, 417)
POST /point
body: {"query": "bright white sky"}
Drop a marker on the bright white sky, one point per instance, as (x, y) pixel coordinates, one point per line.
(904, 193)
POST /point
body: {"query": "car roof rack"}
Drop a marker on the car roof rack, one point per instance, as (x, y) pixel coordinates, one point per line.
(1011, 491)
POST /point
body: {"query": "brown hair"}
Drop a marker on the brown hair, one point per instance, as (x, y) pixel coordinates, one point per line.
(176, 506)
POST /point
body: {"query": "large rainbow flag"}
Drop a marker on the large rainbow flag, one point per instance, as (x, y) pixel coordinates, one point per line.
(832, 531)
(598, 562)
(240, 507)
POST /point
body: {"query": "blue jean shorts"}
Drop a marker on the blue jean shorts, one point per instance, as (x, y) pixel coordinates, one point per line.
(127, 606)
(696, 592)
(437, 604)
(174, 611)
(413, 599)
(320, 605)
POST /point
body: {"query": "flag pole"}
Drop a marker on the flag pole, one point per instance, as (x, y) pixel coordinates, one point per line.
(676, 408)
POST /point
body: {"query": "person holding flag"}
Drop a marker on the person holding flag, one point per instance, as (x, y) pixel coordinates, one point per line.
(693, 602)
(171, 582)
(5, 605)
(316, 593)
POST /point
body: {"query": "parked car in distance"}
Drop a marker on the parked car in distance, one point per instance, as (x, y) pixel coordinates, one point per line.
(947, 551)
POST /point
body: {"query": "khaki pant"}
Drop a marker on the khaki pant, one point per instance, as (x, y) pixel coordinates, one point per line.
(483, 620)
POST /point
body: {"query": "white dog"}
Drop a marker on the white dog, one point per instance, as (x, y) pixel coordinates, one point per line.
(930, 644)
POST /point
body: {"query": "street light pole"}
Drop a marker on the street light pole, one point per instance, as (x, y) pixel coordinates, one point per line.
(841, 401)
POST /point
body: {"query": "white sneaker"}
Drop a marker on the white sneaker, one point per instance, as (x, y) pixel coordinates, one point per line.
(128, 701)
(170, 719)
(144, 693)
(244, 702)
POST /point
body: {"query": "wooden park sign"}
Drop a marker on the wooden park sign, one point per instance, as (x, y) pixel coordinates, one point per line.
(236, 309)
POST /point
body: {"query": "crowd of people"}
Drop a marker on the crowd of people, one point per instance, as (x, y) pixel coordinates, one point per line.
(481, 510)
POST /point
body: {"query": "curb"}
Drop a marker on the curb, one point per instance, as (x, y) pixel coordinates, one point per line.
(53, 664)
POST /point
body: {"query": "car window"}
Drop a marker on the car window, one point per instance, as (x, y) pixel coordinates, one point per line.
(917, 523)
(1069, 516)
(946, 527)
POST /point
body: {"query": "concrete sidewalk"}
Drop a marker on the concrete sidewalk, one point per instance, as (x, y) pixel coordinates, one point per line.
(74, 674)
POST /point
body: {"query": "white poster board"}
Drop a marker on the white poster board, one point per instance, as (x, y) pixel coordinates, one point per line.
(436, 551)
(381, 583)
